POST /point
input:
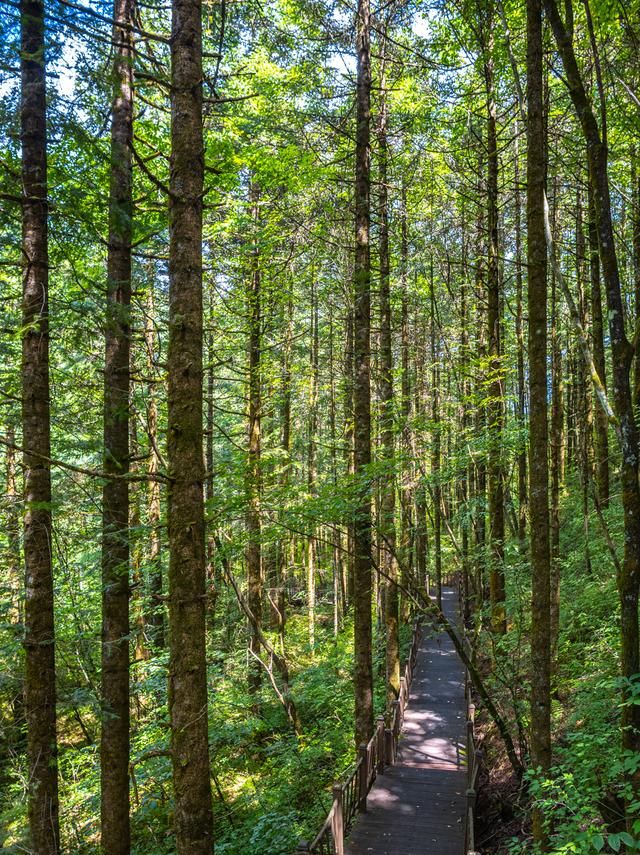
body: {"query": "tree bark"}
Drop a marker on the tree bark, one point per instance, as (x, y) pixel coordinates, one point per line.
(387, 502)
(405, 392)
(495, 406)
(521, 399)
(363, 677)
(597, 338)
(114, 741)
(193, 820)
(155, 617)
(635, 205)
(557, 460)
(538, 462)
(436, 439)
(312, 463)
(39, 638)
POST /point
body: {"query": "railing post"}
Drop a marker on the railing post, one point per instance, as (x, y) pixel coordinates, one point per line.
(364, 777)
(337, 825)
(403, 694)
(390, 753)
(380, 737)
(395, 717)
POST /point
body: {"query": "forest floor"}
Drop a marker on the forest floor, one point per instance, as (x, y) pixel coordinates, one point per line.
(498, 819)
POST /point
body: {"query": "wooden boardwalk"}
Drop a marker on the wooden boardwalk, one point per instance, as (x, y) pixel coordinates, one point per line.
(418, 806)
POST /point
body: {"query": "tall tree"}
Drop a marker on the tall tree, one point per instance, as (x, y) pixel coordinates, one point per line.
(436, 443)
(387, 502)
(521, 398)
(538, 430)
(155, 618)
(362, 383)
(39, 631)
(312, 456)
(187, 659)
(597, 337)
(114, 742)
(495, 391)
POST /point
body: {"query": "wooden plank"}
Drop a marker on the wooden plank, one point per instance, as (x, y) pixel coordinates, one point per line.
(418, 806)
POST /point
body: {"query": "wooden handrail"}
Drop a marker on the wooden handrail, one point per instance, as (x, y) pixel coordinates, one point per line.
(350, 797)
(474, 756)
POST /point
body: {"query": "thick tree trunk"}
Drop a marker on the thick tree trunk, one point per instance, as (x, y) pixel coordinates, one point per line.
(114, 741)
(39, 633)
(538, 463)
(193, 820)
(363, 677)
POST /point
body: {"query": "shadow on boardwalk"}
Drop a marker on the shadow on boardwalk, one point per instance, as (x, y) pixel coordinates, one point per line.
(417, 807)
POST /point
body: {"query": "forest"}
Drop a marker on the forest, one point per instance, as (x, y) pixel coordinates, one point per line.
(314, 314)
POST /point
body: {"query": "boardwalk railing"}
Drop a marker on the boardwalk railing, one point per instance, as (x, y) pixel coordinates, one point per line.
(350, 797)
(474, 756)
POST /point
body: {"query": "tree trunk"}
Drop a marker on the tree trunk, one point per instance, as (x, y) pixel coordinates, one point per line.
(363, 677)
(435, 447)
(597, 338)
(283, 546)
(12, 581)
(155, 617)
(114, 741)
(405, 391)
(479, 499)
(521, 399)
(39, 633)
(349, 399)
(387, 502)
(538, 465)
(584, 412)
(557, 461)
(312, 463)
(193, 820)
(253, 518)
(495, 406)
(337, 552)
(635, 205)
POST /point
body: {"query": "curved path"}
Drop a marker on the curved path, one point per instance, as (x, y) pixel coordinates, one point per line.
(417, 807)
